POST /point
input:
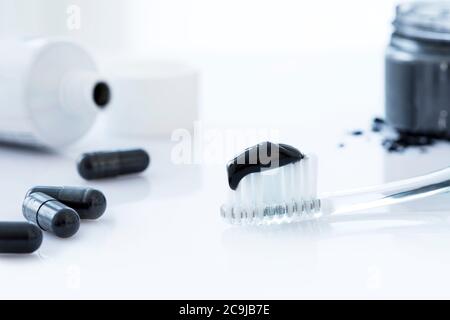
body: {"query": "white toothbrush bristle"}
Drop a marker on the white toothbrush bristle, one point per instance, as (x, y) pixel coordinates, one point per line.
(285, 193)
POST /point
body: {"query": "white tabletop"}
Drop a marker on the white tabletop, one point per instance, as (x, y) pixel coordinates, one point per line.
(162, 236)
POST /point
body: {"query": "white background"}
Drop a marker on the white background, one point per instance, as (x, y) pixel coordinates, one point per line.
(180, 26)
(311, 71)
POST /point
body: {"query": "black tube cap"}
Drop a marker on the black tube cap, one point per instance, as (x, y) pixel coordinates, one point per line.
(19, 238)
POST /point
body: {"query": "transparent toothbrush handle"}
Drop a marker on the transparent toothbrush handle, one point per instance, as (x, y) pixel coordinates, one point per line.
(388, 194)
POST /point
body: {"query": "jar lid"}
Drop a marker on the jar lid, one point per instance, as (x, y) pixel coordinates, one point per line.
(424, 20)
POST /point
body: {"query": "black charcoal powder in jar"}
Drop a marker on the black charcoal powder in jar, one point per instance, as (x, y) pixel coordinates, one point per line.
(418, 70)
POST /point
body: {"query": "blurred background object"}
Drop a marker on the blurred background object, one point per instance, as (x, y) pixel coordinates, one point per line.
(150, 93)
(164, 96)
(50, 92)
(417, 69)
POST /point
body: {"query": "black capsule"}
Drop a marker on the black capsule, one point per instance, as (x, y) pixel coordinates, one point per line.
(98, 165)
(51, 215)
(19, 237)
(90, 204)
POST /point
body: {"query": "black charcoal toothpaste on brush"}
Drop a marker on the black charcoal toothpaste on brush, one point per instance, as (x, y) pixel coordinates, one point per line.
(285, 189)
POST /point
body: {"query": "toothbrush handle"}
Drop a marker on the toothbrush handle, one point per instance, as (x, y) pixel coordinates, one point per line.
(391, 193)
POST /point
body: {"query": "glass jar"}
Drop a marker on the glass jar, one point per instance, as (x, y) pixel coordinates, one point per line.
(418, 69)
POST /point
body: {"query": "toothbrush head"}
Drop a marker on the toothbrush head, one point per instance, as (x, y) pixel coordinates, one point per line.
(271, 183)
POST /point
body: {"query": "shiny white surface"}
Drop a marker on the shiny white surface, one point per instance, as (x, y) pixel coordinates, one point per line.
(162, 236)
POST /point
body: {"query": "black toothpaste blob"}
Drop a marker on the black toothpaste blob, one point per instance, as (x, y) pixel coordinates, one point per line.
(51, 215)
(264, 156)
(90, 204)
(100, 165)
(19, 238)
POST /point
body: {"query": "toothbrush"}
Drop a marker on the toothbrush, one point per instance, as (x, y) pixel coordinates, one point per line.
(276, 183)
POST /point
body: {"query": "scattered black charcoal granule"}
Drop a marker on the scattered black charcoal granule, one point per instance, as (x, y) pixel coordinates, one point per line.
(357, 133)
(378, 124)
(395, 141)
(405, 140)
